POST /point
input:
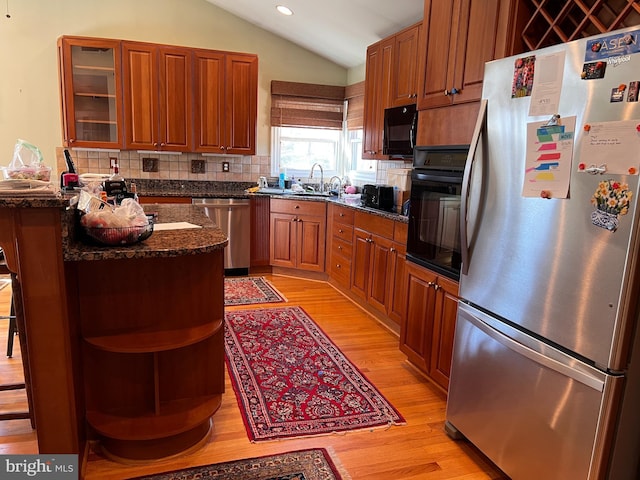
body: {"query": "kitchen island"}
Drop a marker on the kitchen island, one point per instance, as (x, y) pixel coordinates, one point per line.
(125, 343)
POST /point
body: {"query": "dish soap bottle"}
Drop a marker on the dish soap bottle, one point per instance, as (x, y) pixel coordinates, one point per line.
(282, 177)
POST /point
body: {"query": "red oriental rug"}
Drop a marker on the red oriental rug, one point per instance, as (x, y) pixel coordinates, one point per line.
(291, 380)
(314, 464)
(250, 290)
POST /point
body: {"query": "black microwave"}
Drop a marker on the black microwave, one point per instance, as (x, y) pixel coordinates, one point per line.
(400, 128)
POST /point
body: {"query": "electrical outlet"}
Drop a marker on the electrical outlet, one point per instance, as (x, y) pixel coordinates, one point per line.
(149, 164)
(198, 166)
(225, 166)
(113, 161)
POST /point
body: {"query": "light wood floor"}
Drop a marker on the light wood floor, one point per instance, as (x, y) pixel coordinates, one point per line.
(418, 450)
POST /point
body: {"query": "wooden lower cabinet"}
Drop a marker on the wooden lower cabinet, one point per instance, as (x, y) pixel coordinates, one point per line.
(152, 351)
(340, 244)
(298, 231)
(396, 303)
(378, 263)
(259, 250)
(428, 326)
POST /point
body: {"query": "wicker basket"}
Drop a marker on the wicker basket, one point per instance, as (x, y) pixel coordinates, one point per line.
(119, 235)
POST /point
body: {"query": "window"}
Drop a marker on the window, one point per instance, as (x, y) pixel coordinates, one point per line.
(298, 149)
(357, 168)
(309, 126)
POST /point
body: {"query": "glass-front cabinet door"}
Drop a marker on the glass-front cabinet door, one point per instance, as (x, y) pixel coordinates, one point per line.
(91, 92)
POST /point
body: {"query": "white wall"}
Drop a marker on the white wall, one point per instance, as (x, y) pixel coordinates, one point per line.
(29, 92)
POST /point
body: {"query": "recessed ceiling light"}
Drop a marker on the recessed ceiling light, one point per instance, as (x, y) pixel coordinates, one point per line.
(284, 10)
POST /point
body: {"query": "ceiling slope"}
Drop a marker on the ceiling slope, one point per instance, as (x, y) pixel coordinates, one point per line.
(339, 30)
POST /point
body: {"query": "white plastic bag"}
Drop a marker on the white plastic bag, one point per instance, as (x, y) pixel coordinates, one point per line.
(27, 163)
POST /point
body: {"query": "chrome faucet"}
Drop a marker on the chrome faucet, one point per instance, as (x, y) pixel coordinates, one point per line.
(339, 190)
(321, 189)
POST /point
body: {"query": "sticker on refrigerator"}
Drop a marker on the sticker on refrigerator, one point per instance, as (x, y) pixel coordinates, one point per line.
(611, 199)
(632, 96)
(612, 46)
(617, 94)
(523, 71)
(611, 147)
(547, 169)
(593, 70)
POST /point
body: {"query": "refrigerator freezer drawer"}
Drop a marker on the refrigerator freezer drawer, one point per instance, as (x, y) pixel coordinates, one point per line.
(534, 415)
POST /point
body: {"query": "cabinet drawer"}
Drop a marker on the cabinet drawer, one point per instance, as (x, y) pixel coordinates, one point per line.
(374, 224)
(297, 207)
(342, 214)
(341, 270)
(400, 232)
(340, 247)
(343, 232)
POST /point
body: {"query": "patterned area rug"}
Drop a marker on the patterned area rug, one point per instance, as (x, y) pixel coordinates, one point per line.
(291, 380)
(250, 290)
(314, 464)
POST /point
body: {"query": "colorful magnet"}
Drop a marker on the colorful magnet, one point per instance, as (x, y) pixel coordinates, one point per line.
(611, 199)
(632, 96)
(593, 71)
(523, 71)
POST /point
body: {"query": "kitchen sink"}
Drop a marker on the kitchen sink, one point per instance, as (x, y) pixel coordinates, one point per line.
(311, 194)
(280, 191)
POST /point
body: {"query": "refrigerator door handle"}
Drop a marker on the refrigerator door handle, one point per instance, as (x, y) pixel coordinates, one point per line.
(566, 370)
(466, 179)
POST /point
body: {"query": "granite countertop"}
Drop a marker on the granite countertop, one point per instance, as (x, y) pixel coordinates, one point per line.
(356, 206)
(163, 243)
(191, 188)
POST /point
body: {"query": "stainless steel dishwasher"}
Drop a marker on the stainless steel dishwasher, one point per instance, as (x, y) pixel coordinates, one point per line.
(232, 216)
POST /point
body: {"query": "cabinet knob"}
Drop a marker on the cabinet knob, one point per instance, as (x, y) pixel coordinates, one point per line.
(392, 249)
(453, 91)
(369, 240)
(155, 144)
(222, 147)
(341, 214)
(340, 230)
(71, 140)
(297, 206)
(339, 247)
(338, 265)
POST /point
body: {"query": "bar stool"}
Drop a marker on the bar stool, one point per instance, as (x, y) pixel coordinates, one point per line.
(16, 324)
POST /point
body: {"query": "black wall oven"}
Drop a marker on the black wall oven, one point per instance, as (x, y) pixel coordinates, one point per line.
(434, 211)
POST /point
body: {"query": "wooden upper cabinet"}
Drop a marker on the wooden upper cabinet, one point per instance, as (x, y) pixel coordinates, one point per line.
(241, 103)
(226, 92)
(158, 98)
(90, 92)
(377, 86)
(459, 36)
(404, 84)
(209, 106)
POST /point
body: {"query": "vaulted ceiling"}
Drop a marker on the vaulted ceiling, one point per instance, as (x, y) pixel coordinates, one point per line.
(339, 30)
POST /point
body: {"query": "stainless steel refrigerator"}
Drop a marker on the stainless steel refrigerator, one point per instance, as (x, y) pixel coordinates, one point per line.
(545, 375)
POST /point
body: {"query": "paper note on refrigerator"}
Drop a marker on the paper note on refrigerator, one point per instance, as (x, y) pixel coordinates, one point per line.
(547, 169)
(547, 84)
(612, 147)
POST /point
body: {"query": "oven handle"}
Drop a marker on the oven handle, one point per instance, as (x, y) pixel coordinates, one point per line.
(417, 176)
(481, 123)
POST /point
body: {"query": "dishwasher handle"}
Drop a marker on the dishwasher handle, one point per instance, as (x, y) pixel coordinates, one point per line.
(221, 202)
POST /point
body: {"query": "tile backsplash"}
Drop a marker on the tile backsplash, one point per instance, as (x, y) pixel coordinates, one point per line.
(186, 166)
